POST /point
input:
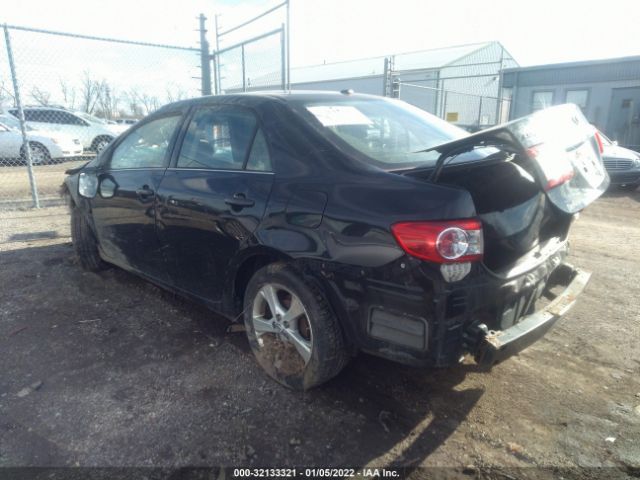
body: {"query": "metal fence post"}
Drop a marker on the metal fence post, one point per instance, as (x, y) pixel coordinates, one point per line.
(283, 70)
(444, 105)
(288, 59)
(23, 130)
(244, 73)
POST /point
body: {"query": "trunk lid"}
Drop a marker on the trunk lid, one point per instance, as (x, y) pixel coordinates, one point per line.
(527, 179)
(561, 145)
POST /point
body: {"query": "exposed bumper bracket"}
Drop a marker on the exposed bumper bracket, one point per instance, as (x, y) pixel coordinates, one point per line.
(496, 346)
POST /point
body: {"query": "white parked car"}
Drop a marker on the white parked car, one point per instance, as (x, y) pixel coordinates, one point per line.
(94, 133)
(44, 149)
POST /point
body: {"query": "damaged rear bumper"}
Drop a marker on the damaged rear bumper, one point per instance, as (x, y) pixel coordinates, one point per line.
(496, 346)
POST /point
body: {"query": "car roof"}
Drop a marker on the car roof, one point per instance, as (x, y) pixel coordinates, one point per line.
(259, 97)
(42, 107)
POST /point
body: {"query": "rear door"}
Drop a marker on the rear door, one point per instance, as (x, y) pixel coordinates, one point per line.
(213, 197)
(124, 210)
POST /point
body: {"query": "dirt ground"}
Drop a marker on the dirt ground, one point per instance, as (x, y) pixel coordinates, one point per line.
(107, 370)
(15, 188)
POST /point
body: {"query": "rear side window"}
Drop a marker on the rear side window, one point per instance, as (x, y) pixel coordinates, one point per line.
(259, 159)
(66, 118)
(390, 134)
(146, 146)
(217, 139)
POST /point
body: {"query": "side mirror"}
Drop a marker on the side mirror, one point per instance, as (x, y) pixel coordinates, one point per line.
(107, 188)
(87, 184)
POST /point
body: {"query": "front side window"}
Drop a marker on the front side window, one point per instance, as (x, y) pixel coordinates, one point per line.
(217, 139)
(146, 146)
(391, 134)
(67, 118)
(90, 118)
(541, 100)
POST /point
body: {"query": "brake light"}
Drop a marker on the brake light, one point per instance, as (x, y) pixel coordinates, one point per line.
(557, 171)
(554, 182)
(599, 140)
(441, 242)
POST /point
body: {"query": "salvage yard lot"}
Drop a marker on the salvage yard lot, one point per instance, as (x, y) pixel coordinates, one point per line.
(14, 181)
(108, 370)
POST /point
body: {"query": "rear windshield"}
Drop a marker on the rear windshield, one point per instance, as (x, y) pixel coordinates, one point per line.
(389, 133)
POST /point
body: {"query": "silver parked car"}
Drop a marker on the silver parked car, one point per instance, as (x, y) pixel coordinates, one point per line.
(622, 164)
(44, 148)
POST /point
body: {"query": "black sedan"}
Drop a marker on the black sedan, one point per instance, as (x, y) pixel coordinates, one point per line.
(337, 223)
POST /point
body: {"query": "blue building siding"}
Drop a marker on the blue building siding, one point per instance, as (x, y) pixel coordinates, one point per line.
(613, 86)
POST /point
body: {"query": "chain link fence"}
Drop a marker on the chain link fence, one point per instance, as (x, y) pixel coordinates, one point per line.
(76, 94)
(467, 110)
(255, 64)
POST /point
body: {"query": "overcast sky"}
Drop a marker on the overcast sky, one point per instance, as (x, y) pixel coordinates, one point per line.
(544, 31)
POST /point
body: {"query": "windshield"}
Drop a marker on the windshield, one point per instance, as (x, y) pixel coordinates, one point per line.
(390, 133)
(90, 118)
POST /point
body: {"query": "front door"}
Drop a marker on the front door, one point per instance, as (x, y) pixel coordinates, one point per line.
(213, 198)
(124, 209)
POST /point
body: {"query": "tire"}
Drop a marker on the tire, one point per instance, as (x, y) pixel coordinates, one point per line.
(100, 143)
(85, 243)
(305, 320)
(39, 154)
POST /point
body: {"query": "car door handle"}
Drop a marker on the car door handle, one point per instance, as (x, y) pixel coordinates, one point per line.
(239, 201)
(145, 192)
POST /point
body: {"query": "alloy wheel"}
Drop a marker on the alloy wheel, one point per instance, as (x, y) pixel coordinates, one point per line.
(38, 156)
(280, 319)
(101, 145)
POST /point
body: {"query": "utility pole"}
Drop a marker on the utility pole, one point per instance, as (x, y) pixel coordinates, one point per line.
(391, 81)
(205, 58)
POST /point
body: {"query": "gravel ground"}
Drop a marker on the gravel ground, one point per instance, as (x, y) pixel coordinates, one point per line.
(108, 370)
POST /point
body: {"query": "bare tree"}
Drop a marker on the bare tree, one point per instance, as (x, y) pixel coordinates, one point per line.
(175, 93)
(150, 102)
(5, 93)
(68, 94)
(142, 103)
(135, 107)
(90, 92)
(41, 97)
(107, 100)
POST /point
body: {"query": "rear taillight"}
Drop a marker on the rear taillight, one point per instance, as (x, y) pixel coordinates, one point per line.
(557, 171)
(599, 140)
(441, 242)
